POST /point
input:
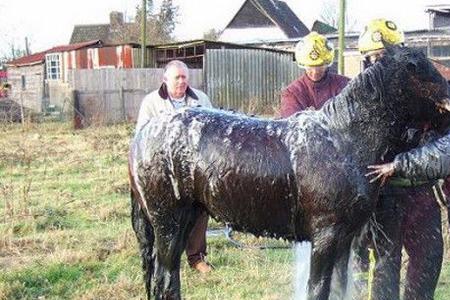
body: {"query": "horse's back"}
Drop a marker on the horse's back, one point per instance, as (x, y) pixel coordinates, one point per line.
(236, 167)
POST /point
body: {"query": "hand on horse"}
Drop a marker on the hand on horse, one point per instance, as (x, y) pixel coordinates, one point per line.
(382, 172)
(443, 107)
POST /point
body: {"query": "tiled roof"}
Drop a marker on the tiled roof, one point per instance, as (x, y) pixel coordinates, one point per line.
(39, 57)
(284, 17)
(280, 14)
(82, 33)
(109, 35)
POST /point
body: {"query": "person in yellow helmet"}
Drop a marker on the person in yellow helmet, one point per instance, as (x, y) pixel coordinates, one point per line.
(407, 213)
(315, 54)
(374, 36)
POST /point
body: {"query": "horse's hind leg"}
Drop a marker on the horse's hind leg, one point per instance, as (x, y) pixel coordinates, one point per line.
(172, 229)
(145, 237)
(322, 262)
(339, 280)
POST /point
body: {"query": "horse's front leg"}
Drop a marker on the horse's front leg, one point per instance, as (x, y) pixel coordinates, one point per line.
(172, 229)
(145, 237)
(323, 258)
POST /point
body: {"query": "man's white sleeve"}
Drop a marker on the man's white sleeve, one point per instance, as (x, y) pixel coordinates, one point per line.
(144, 114)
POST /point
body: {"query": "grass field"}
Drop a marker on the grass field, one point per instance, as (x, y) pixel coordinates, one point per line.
(65, 230)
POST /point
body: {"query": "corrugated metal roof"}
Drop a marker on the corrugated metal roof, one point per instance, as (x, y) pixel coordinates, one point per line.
(442, 8)
(75, 46)
(32, 59)
(322, 28)
(207, 43)
(39, 57)
(443, 69)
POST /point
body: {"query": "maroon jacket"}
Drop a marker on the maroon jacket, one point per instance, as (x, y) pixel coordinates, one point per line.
(303, 93)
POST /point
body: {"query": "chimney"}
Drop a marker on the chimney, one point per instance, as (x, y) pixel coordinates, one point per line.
(116, 18)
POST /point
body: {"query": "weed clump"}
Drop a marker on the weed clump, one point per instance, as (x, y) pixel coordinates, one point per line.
(51, 218)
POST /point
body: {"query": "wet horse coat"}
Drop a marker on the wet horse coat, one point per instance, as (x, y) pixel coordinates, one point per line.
(300, 178)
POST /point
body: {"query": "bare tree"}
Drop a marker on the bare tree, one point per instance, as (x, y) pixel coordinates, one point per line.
(10, 49)
(14, 52)
(212, 34)
(150, 7)
(160, 26)
(167, 16)
(330, 15)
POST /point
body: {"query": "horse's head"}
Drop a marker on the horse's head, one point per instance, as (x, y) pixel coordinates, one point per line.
(416, 88)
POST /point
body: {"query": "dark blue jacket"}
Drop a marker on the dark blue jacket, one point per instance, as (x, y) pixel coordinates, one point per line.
(431, 161)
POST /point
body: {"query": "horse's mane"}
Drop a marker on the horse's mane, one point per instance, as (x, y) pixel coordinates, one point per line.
(367, 90)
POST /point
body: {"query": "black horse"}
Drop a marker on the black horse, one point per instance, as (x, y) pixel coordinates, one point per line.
(300, 178)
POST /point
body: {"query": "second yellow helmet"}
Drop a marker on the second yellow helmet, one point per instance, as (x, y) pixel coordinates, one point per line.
(314, 50)
(377, 31)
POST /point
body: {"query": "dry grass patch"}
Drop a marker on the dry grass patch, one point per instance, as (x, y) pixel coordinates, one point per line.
(65, 230)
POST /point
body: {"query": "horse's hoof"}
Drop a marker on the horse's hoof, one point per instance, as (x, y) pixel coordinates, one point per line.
(202, 267)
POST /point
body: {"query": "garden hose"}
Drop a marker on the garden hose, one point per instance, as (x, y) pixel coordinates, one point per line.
(371, 275)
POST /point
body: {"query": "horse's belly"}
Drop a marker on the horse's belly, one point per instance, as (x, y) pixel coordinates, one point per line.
(260, 206)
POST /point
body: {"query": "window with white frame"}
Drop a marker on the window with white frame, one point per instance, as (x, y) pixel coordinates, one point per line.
(53, 65)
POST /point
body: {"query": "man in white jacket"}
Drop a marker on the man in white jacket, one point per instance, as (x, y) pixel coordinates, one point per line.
(175, 93)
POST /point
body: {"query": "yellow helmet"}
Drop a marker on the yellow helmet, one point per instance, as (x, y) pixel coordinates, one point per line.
(376, 32)
(314, 50)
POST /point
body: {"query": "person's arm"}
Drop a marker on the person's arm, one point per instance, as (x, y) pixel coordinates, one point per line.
(431, 161)
(342, 82)
(290, 103)
(206, 102)
(203, 99)
(145, 113)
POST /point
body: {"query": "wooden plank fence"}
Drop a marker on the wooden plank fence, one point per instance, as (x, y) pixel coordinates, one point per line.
(107, 96)
(248, 80)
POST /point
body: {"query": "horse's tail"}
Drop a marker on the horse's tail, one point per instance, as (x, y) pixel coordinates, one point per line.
(144, 234)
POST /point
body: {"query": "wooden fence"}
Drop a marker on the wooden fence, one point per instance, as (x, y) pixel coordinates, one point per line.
(248, 80)
(107, 96)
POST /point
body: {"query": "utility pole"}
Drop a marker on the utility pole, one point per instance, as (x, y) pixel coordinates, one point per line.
(27, 47)
(22, 114)
(13, 51)
(143, 32)
(341, 36)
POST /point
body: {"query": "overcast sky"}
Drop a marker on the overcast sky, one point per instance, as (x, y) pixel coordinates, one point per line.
(49, 23)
